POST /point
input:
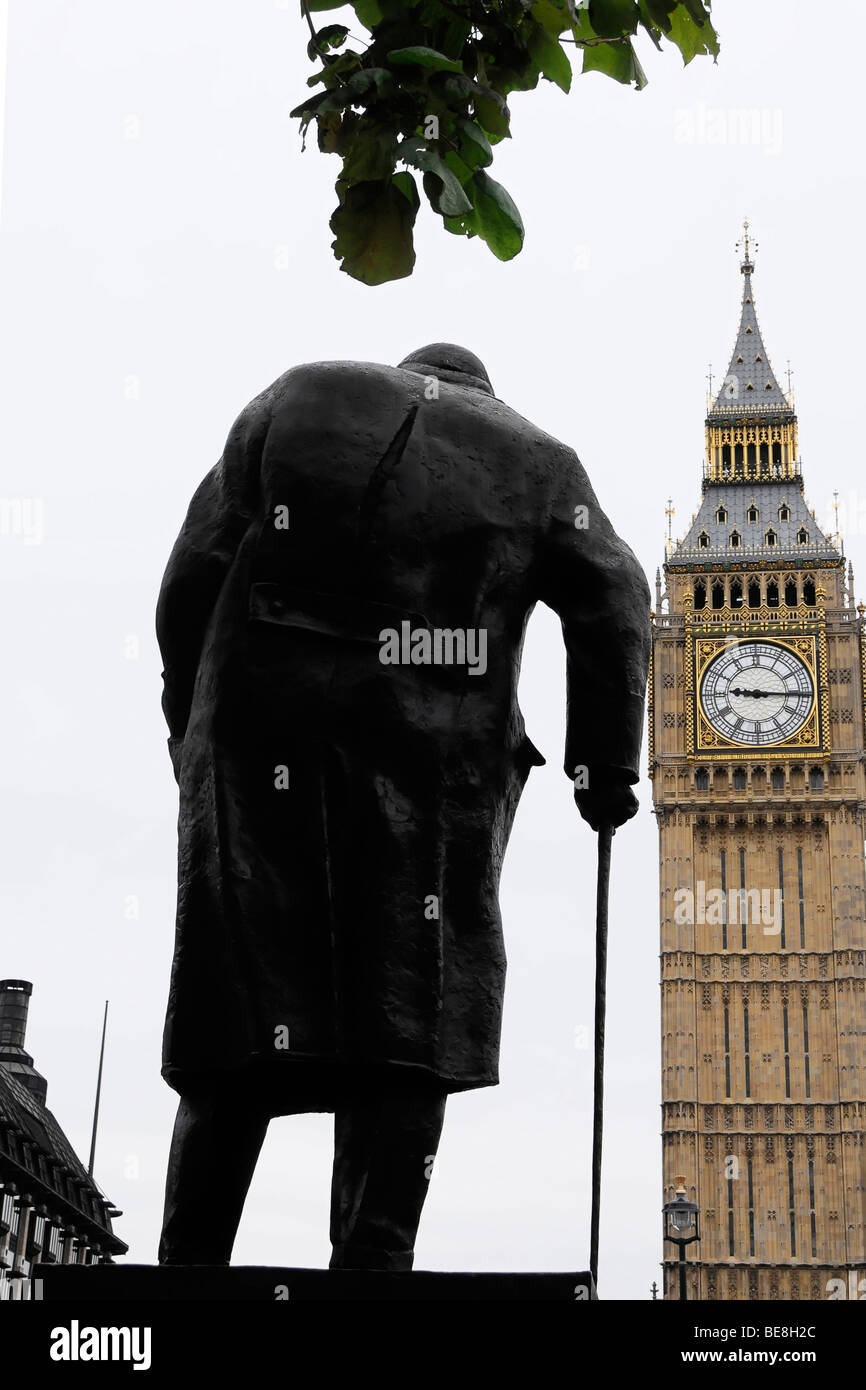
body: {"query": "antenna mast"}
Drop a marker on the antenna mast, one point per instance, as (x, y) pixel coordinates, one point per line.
(98, 1093)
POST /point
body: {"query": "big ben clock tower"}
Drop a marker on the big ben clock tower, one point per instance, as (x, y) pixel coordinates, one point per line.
(758, 762)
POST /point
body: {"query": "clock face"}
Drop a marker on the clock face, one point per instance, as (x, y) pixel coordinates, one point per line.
(757, 693)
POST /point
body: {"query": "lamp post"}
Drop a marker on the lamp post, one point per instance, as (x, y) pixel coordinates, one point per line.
(681, 1228)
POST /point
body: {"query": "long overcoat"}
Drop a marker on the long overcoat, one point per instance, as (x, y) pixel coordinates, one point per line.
(341, 623)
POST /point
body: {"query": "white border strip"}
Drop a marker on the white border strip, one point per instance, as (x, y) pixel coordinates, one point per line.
(4, 27)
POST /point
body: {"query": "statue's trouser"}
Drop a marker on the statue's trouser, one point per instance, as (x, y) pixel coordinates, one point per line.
(386, 1133)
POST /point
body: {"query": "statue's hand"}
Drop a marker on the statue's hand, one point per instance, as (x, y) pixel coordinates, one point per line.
(611, 803)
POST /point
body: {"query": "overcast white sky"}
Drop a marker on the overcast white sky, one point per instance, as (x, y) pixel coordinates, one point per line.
(164, 254)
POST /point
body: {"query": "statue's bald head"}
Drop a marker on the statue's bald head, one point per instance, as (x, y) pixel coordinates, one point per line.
(450, 363)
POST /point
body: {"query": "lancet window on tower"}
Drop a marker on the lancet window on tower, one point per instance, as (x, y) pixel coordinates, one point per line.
(791, 591)
(809, 596)
(772, 594)
(771, 537)
(802, 536)
(754, 593)
(736, 592)
(735, 539)
(722, 514)
(752, 513)
(700, 594)
(784, 512)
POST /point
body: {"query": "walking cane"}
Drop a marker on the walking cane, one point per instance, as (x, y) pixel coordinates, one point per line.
(605, 836)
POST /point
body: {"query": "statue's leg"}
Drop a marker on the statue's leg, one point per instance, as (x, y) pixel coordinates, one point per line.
(386, 1133)
(216, 1141)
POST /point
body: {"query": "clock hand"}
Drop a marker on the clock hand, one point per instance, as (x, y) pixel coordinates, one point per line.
(766, 694)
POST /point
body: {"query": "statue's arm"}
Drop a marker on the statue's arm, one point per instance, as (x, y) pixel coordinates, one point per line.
(592, 580)
(217, 519)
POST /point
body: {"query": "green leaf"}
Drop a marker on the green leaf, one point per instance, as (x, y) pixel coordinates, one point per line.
(460, 169)
(445, 194)
(491, 113)
(555, 18)
(332, 36)
(370, 80)
(329, 126)
(369, 13)
(691, 38)
(616, 60)
(405, 184)
(454, 90)
(659, 12)
(373, 229)
(455, 36)
(335, 68)
(698, 11)
(423, 58)
(323, 101)
(496, 218)
(551, 59)
(610, 18)
(475, 148)
(370, 152)
(581, 28)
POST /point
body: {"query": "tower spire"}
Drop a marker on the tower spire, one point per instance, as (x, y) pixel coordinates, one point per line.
(747, 245)
(751, 426)
(750, 387)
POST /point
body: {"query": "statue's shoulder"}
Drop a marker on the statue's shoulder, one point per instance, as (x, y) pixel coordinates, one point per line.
(363, 389)
(332, 380)
(528, 435)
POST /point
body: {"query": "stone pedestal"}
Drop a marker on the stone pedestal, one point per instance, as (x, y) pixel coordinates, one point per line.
(262, 1283)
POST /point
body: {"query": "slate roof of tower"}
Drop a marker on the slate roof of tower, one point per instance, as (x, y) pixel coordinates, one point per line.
(750, 386)
(737, 498)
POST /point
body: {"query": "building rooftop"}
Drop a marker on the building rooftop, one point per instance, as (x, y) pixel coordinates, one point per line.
(35, 1154)
(778, 509)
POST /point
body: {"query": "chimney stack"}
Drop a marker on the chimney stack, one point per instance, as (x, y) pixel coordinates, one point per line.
(14, 1004)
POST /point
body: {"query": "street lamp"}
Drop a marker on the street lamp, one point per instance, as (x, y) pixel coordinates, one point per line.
(681, 1227)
